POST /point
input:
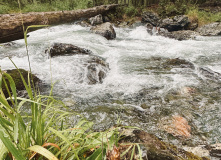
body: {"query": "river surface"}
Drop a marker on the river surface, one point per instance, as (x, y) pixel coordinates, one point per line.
(141, 88)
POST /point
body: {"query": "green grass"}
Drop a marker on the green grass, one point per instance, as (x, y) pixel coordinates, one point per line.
(22, 134)
(203, 17)
(57, 5)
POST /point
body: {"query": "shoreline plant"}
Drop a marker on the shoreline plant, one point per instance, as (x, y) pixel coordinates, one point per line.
(47, 131)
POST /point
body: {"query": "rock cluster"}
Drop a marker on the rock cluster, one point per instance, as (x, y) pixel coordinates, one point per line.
(101, 25)
(155, 149)
(96, 67)
(179, 27)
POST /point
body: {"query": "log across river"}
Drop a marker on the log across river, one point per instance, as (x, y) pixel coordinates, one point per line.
(11, 26)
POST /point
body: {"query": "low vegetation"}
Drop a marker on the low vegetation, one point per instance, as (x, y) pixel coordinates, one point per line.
(132, 9)
(49, 130)
(203, 17)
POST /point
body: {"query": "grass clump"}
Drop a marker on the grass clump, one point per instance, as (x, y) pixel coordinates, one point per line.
(43, 6)
(203, 17)
(46, 130)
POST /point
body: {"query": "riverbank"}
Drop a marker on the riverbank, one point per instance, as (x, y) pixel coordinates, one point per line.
(12, 26)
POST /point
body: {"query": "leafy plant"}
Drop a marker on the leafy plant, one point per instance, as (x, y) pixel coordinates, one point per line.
(46, 126)
(203, 17)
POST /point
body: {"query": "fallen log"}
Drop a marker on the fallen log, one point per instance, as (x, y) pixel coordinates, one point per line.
(11, 25)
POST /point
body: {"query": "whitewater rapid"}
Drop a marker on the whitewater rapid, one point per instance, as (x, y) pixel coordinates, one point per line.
(133, 59)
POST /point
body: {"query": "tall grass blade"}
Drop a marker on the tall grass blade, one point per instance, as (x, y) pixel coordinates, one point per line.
(97, 155)
(44, 152)
(28, 88)
(132, 154)
(12, 86)
(139, 151)
(125, 152)
(64, 139)
(3, 150)
(11, 148)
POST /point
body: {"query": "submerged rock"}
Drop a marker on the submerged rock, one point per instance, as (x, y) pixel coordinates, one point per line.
(106, 30)
(96, 67)
(209, 74)
(179, 63)
(14, 73)
(212, 29)
(155, 149)
(176, 125)
(213, 151)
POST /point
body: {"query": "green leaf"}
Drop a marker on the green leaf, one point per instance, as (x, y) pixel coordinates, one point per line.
(44, 152)
(139, 151)
(6, 113)
(10, 146)
(125, 152)
(16, 129)
(3, 150)
(13, 87)
(97, 155)
(28, 88)
(65, 139)
(132, 154)
(5, 103)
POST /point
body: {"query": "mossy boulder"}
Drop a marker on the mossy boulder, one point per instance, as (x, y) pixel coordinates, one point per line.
(14, 73)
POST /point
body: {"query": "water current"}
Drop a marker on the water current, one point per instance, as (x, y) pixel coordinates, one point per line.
(142, 86)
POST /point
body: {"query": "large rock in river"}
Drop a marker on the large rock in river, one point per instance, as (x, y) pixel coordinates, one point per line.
(106, 30)
(212, 29)
(175, 24)
(14, 73)
(178, 35)
(62, 49)
(150, 17)
(96, 68)
(181, 35)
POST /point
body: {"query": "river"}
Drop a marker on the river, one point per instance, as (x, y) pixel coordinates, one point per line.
(141, 87)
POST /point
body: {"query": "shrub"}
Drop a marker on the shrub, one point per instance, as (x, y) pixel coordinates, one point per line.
(131, 11)
(168, 8)
(203, 17)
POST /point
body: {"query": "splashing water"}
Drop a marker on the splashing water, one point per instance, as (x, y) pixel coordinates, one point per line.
(141, 87)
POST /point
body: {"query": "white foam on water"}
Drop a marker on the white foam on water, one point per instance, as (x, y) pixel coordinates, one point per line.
(126, 74)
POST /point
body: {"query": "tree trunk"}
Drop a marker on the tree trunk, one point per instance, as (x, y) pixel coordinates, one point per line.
(11, 27)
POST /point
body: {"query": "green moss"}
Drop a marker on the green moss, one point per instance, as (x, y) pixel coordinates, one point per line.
(17, 79)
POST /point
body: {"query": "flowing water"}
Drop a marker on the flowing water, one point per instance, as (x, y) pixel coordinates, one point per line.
(142, 86)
